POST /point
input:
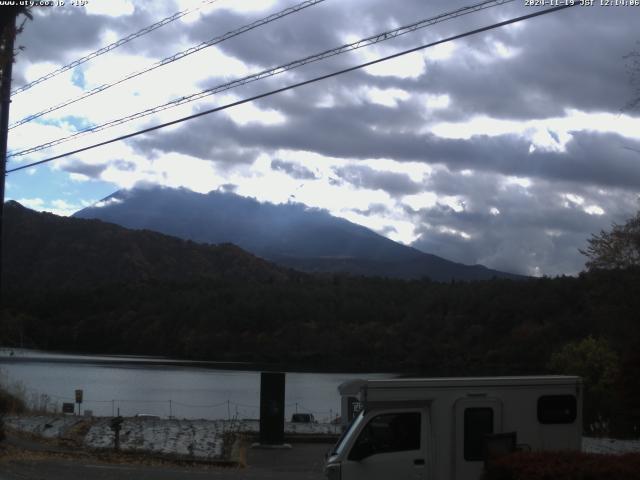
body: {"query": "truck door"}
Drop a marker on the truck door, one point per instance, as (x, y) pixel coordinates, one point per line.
(391, 445)
(474, 418)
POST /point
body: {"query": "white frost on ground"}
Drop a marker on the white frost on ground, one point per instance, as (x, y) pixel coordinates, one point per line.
(200, 439)
(609, 445)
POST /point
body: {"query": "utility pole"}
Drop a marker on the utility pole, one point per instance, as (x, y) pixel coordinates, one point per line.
(9, 33)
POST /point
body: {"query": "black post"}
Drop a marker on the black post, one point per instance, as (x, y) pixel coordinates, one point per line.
(9, 30)
(272, 408)
(116, 426)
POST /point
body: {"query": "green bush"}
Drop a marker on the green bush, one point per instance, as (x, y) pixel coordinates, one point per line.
(564, 466)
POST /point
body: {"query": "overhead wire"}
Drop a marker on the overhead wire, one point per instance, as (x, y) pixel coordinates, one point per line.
(112, 46)
(177, 56)
(300, 84)
(381, 37)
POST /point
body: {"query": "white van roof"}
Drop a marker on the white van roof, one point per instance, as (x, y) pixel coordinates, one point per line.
(462, 382)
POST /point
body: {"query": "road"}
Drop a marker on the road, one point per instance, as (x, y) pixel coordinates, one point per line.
(302, 462)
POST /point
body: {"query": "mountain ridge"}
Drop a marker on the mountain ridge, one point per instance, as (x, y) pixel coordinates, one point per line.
(292, 235)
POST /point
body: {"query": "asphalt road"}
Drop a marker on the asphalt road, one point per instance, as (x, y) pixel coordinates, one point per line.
(302, 462)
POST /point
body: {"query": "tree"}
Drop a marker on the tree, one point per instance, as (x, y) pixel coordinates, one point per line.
(618, 248)
(597, 363)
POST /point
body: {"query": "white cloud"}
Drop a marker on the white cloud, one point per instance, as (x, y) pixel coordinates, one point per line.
(249, 113)
(112, 8)
(453, 231)
(421, 200)
(455, 202)
(33, 203)
(62, 204)
(406, 66)
(443, 51)
(248, 6)
(594, 210)
(577, 199)
(78, 177)
(551, 134)
(108, 201)
(396, 229)
(58, 206)
(388, 97)
(520, 181)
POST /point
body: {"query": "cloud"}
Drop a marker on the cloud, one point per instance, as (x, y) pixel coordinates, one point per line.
(531, 230)
(395, 184)
(57, 206)
(33, 203)
(373, 209)
(88, 170)
(293, 170)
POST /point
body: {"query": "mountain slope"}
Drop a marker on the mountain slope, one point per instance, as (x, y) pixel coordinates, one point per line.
(292, 235)
(47, 251)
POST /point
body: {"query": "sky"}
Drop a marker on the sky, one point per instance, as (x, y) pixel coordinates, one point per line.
(508, 148)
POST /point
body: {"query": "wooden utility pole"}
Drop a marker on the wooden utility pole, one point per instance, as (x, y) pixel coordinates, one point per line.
(8, 33)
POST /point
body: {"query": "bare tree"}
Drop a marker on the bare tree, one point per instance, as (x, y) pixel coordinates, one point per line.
(617, 248)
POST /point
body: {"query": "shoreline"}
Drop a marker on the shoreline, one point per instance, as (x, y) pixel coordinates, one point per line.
(23, 355)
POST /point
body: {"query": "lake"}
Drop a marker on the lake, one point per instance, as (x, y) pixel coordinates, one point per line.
(157, 386)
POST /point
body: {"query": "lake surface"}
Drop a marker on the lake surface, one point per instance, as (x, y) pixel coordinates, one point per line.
(164, 387)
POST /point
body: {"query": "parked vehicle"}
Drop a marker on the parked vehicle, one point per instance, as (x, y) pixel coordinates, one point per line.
(444, 428)
(303, 418)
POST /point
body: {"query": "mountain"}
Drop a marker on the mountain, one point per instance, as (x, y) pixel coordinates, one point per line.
(291, 235)
(44, 250)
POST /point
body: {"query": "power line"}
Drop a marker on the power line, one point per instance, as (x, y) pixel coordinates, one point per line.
(177, 56)
(112, 46)
(299, 84)
(381, 37)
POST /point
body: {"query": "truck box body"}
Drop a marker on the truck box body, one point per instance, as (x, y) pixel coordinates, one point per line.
(438, 428)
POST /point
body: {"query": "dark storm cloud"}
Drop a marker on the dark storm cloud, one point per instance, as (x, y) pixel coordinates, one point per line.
(293, 170)
(124, 165)
(48, 37)
(87, 169)
(551, 70)
(396, 184)
(207, 142)
(529, 227)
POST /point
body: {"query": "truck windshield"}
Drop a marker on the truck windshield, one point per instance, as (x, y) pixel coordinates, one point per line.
(347, 434)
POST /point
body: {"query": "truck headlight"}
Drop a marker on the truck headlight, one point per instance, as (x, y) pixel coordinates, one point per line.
(333, 471)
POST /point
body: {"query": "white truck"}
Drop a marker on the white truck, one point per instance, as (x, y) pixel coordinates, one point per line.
(443, 428)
